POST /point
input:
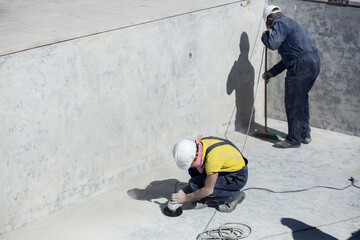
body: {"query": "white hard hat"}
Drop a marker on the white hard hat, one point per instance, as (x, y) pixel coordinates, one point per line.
(270, 10)
(184, 153)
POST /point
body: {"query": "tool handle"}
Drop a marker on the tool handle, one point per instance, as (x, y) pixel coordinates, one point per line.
(265, 90)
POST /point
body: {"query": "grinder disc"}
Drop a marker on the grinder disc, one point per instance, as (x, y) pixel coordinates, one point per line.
(170, 213)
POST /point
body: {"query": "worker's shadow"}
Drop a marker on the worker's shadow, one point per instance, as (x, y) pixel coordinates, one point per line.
(355, 235)
(241, 80)
(155, 191)
(301, 230)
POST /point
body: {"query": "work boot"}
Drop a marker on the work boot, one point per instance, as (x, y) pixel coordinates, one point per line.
(306, 140)
(285, 144)
(229, 207)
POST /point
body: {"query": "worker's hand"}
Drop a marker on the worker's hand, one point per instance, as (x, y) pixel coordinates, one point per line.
(266, 76)
(266, 32)
(179, 197)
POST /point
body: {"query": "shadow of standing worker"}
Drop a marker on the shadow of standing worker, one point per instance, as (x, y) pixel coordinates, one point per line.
(355, 235)
(302, 231)
(241, 79)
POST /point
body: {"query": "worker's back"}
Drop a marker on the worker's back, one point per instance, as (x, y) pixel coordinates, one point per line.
(294, 40)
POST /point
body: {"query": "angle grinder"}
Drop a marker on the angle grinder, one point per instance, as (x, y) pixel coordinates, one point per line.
(173, 209)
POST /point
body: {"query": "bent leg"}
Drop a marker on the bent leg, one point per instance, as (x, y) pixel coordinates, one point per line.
(228, 186)
(298, 82)
(313, 72)
(294, 110)
(305, 123)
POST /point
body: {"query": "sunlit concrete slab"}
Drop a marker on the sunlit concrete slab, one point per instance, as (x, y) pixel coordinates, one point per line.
(131, 208)
(79, 114)
(25, 25)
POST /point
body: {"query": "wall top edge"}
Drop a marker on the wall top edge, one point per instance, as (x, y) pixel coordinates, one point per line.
(351, 3)
(27, 26)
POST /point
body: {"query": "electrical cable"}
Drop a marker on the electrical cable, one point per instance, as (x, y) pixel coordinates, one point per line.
(252, 52)
(253, 107)
(247, 3)
(227, 231)
(223, 233)
(351, 179)
(256, 90)
(209, 222)
(240, 231)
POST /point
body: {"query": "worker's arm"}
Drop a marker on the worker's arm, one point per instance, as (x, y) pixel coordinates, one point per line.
(274, 39)
(278, 68)
(205, 191)
(275, 70)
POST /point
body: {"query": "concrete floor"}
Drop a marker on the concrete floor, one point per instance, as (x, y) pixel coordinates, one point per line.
(131, 208)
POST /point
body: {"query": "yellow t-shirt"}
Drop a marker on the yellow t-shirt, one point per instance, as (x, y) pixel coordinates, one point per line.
(223, 158)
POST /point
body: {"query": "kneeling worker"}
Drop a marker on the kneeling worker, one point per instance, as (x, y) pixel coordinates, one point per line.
(218, 172)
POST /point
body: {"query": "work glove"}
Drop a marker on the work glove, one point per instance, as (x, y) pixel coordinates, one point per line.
(266, 76)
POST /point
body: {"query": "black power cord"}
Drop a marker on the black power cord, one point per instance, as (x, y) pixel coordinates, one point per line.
(235, 231)
(351, 179)
(227, 231)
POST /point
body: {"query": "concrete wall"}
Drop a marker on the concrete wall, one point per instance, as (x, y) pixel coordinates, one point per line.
(334, 99)
(78, 115)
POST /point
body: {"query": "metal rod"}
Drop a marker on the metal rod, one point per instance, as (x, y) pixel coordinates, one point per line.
(265, 89)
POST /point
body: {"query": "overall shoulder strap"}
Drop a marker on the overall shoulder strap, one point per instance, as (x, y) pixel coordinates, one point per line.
(216, 138)
(224, 142)
(208, 150)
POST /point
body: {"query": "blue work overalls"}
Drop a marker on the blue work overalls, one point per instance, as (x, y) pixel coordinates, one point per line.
(301, 59)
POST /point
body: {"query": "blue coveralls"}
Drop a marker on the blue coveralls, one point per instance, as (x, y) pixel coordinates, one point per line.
(301, 59)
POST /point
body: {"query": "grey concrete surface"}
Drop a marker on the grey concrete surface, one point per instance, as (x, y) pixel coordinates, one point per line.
(79, 114)
(131, 207)
(25, 25)
(93, 98)
(339, 3)
(334, 98)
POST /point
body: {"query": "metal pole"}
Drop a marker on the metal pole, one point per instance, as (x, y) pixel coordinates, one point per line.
(265, 91)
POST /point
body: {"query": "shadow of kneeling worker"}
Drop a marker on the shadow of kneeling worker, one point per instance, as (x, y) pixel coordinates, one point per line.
(156, 190)
(302, 231)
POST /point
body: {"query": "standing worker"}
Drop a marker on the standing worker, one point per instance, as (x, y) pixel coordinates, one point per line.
(300, 57)
(218, 171)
